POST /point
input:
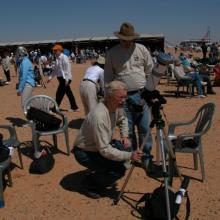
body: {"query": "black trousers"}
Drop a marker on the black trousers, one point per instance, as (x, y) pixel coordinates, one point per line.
(62, 90)
(105, 172)
(7, 75)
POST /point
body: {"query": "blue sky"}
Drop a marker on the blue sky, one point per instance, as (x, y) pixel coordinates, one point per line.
(23, 20)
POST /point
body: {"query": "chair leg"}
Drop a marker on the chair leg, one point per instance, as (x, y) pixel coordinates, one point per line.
(190, 90)
(178, 91)
(55, 140)
(195, 159)
(67, 142)
(20, 157)
(202, 165)
(158, 152)
(1, 191)
(36, 143)
(9, 177)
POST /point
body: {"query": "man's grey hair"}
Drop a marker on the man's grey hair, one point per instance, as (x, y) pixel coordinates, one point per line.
(113, 86)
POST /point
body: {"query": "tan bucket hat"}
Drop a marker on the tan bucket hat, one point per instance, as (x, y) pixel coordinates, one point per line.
(126, 32)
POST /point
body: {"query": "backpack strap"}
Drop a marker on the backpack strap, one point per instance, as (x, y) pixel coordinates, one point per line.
(188, 208)
(139, 212)
(144, 198)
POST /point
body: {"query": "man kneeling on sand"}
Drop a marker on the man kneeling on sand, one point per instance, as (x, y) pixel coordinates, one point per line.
(94, 148)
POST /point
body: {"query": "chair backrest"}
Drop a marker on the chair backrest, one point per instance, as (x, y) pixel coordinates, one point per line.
(42, 102)
(204, 118)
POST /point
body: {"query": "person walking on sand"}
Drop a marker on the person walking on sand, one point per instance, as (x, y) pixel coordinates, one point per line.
(26, 75)
(62, 70)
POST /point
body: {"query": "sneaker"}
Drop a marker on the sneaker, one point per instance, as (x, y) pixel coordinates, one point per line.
(201, 96)
(7, 83)
(211, 92)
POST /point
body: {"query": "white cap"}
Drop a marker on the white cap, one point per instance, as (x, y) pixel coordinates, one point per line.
(43, 59)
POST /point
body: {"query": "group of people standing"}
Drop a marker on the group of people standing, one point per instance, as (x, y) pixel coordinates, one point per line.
(119, 80)
(124, 74)
(125, 71)
(61, 69)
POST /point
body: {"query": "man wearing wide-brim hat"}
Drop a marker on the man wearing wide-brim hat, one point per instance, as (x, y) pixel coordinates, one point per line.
(130, 62)
(92, 84)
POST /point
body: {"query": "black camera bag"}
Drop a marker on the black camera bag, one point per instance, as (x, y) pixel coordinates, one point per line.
(44, 121)
(43, 164)
(155, 205)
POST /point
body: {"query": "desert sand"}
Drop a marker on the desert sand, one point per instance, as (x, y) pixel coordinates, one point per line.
(56, 194)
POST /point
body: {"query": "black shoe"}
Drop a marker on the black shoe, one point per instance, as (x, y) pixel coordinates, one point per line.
(211, 92)
(90, 191)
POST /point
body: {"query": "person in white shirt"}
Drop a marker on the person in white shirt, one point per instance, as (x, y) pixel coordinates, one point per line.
(62, 70)
(92, 84)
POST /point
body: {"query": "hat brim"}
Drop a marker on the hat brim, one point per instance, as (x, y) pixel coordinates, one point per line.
(127, 38)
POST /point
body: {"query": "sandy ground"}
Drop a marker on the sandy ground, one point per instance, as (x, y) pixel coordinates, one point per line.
(56, 194)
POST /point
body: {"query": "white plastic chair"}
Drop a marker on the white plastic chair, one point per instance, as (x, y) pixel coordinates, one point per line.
(12, 140)
(47, 104)
(192, 142)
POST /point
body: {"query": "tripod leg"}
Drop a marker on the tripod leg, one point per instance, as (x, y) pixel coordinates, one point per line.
(172, 155)
(158, 155)
(130, 171)
(161, 143)
(124, 185)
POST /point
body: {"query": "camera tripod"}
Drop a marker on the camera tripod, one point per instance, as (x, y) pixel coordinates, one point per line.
(163, 142)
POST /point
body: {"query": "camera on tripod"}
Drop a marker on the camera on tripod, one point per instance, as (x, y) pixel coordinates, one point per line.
(155, 100)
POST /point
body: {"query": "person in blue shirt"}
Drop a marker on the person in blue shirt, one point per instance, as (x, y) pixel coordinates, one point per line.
(26, 75)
